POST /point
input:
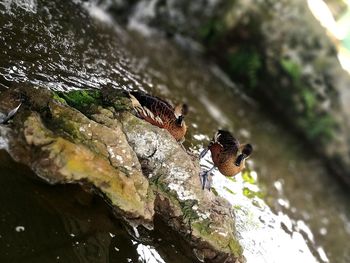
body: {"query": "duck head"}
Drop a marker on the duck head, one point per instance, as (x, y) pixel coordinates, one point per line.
(180, 112)
(247, 150)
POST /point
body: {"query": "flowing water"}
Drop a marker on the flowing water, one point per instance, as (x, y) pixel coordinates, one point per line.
(288, 207)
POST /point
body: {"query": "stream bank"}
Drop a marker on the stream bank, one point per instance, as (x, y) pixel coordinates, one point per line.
(276, 52)
(105, 152)
(289, 193)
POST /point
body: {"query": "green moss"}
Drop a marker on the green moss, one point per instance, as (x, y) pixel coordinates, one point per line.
(214, 191)
(318, 128)
(235, 247)
(309, 99)
(122, 104)
(212, 31)
(246, 175)
(232, 178)
(317, 125)
(69, 127)
(292, 68)
(187, 210)
(159, 186)
(81, 99)
(229, 190)
(203, 227)
(157, 182)
(251, 194)
(189, 214)
(58, 98)
(245, 64)
(237, 207)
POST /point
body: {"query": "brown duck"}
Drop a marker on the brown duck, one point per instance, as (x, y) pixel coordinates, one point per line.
(227, 153)
(160, 113)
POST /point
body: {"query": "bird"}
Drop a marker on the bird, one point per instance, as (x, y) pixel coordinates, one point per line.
(160, 113)
(227, 153)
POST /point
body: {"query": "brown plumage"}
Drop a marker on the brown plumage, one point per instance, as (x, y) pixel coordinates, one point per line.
(160, 113)
(227, 153)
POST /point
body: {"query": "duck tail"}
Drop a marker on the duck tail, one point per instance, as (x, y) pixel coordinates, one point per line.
(134, 101)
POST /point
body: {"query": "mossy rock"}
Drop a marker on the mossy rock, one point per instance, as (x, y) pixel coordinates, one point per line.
(88, 145)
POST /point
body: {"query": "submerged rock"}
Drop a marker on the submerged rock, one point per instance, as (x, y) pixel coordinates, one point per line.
(140, 169)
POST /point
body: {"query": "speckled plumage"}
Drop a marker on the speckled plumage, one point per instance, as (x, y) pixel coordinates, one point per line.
(224, 149)
(159, 113)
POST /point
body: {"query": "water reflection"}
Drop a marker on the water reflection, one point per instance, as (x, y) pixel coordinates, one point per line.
(148, 254)
(43, 223)
(44, 48)
(287, 206)
(26, 5)
(261, 230)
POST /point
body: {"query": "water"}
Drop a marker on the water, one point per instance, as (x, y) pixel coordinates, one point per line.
(306, 202)
(57, 45)
(42, 223)
(288, 193)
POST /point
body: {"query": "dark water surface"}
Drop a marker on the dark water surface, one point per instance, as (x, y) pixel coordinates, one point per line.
(43, 223)
(289, 209)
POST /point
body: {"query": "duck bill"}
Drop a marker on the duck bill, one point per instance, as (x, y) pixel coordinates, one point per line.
(240, 159)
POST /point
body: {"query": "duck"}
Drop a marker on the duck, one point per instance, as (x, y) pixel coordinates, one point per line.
(160, 113)
(228, 155)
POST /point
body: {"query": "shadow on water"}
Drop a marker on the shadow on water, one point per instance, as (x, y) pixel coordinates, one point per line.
(43, 223)
(287, 206)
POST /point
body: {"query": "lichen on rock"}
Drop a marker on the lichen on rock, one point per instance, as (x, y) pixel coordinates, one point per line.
(140, 169)
(209, 218)
(64, 146)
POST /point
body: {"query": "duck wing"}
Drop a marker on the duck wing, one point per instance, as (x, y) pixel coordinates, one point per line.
(154, 107)
(229, 144)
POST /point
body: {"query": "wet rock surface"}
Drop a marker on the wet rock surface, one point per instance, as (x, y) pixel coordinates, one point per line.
(67, 46)
(139, 169)
(276, 51)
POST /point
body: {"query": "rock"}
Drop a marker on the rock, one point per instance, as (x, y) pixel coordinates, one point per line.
(276, 50)
(89, 154)
(140, 169)
(175, 175)
(284, 58)
(173, 17)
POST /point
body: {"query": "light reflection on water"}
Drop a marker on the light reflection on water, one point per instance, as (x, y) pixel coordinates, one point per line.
(26, 5)
(286, 216)
(148, 254)
(41, 49)
(261, 230)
